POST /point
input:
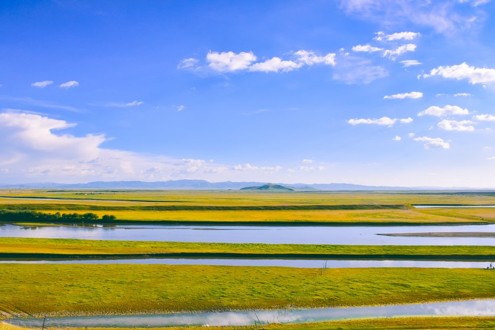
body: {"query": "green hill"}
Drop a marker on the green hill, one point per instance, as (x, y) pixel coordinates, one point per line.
(269, 187)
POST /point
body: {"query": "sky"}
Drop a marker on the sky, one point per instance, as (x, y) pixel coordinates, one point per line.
(375, 92)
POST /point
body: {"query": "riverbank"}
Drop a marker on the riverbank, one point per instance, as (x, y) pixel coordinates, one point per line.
(412, 323)
(41, 248)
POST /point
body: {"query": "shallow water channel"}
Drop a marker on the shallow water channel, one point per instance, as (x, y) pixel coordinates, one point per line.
(468, 307)
(298, 263)
(350, 235)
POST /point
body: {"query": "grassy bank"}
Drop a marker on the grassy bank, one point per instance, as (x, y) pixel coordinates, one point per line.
(101, 289)
(412, 323)
(30, 247)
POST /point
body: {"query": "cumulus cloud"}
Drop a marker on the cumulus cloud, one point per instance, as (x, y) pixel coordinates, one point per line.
(444, 111)
(485, 117)
(275, 64)
(383, 121)
(382, 36)
(456, 125)
(181, 107)
(393, 53)
(36, 133)
(429, 142)
(401, 96)
(36, 148)
(42, 84)
(408, 63)
(69, 84)
(309, 58)
(229, 61)
(397, 138)
(247, 61)
(463, 71)
(366, 49)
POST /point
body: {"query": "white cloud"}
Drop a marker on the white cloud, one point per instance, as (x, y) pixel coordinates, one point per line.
(463, 71)
(455, 125)
(229, 61)
(35, 148)
(462, 94)
(366, 49)
(307, 161)
(309, 58)
(42, 84)
(401, 96)
(69, 84)
(430, 142)
(275, 64)
(407, 120)
(485, 117)
(393, 53)
(355, 70)
(491, 158)
(444, 111)
(181, 107)
(383, 121)
(408, 63)
(131, 104)
(249, 167)
(475, 3)
(381, 36)
(188, 63)
(397, 138)
(35, 132)
(134, 103)
(441, 16)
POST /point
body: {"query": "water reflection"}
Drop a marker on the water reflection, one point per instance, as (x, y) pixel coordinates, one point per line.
(271, 262)
(357, 235)
(238, 318)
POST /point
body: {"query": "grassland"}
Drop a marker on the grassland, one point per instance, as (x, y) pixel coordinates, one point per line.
(254, 207)
(101, 289)
(72, 248)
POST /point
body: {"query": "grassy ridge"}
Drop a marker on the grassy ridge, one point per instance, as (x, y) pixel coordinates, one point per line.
(101, 289)
(70, 247)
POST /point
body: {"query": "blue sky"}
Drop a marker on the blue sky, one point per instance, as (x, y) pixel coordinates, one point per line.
(376, 92)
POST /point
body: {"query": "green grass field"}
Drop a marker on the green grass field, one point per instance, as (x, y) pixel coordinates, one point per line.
(245, 207)
(115, 289)
(101, 289)
(70, 247)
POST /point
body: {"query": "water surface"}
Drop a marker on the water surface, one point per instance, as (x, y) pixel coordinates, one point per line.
(298, 263)
(350, 235)
(238, 318)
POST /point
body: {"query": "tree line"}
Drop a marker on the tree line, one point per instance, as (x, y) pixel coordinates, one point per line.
(33, 216)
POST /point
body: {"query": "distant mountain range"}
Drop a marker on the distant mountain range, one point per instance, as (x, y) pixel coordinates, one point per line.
(206, 185)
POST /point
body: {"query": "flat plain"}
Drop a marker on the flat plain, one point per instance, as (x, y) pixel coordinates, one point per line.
(63, 289)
